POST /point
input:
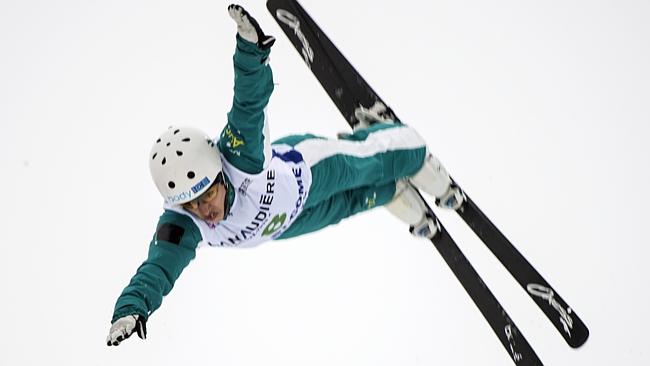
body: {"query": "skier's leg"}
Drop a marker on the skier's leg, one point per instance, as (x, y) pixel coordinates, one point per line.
(432, 178)
(328, 201)
(408, 206)
(399, 198)
(372, 156)
(333, 209)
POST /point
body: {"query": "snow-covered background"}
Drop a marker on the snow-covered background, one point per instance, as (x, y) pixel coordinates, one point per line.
(540, 109)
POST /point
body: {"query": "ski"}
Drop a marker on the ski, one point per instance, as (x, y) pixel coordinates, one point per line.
(347, 89)
(520, 351)
(565, 320)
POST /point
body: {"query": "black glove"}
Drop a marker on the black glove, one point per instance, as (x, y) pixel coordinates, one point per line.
(248, 28)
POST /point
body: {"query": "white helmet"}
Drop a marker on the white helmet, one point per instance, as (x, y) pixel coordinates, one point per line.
(184, 162)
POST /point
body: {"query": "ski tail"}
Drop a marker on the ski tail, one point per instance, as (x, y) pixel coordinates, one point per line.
(345, 87)
(565, 320)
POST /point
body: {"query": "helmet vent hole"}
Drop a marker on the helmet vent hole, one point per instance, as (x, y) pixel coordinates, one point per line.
(191, 174)
(179, 153)
(171, 184)
(175, 132)
(187, 139)
(158, 141)
(169, 143)
(164, 161)
(154, 156)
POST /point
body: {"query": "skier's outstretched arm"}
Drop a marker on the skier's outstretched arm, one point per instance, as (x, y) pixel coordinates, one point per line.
(171, 250)
(245, 141)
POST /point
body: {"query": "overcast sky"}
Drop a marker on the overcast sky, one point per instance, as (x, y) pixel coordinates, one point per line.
(539, 109)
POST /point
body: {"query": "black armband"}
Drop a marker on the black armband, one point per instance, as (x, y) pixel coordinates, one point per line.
(170, 233)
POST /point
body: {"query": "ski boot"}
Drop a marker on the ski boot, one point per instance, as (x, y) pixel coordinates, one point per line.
(377, 113)
(453, 199)
(367, 117)
(407, 206)
(434, 180)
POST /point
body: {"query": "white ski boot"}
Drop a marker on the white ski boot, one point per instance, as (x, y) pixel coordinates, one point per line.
(409, 208)
(377, 113)
(367, 117)
(434, 180)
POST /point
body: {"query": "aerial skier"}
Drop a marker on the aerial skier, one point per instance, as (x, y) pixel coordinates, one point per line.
(240, 190)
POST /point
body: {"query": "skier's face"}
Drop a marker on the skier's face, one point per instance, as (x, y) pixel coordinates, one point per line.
(210, 205)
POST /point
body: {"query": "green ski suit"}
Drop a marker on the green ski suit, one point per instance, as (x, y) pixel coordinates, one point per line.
(348, 176)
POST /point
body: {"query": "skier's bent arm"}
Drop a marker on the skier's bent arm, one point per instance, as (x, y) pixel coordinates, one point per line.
(170, 251)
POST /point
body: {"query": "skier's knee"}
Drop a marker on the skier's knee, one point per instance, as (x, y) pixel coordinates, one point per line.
(432, 178)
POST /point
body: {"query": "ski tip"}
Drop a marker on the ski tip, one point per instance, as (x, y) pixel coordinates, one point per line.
(580, 339)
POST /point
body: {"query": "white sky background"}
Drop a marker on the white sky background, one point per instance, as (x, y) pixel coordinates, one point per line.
(539, 109)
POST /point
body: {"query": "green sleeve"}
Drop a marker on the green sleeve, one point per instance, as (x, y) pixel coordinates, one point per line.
(244, 141)
(171, 250)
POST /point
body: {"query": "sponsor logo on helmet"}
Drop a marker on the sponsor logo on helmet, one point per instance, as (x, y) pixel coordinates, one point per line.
(200, 185)
(183, 196)
(186, 196)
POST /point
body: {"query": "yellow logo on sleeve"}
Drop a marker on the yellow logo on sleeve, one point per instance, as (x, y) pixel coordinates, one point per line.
(233, 140)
